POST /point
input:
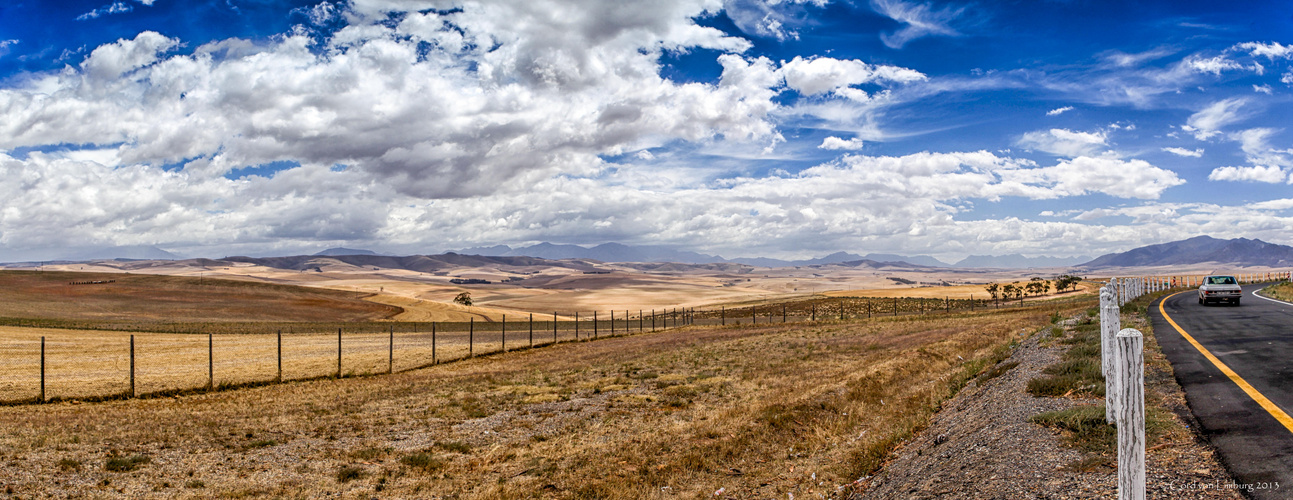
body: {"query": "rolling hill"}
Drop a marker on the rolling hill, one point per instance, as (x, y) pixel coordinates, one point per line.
(1239, 251)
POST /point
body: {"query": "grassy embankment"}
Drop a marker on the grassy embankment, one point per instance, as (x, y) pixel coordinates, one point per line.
(1078, 376)
(1282, 291)
(758, 411)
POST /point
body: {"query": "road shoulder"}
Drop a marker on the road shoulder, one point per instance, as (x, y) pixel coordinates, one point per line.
(982, 444)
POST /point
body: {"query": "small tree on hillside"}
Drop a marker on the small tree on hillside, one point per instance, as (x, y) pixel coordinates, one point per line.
(993, 289)
(1008, 291)
(463, 298)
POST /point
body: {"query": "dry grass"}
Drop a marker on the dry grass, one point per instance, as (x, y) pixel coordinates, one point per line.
(758, 411)
(142, 299)
(84, 364)
(1282, 291)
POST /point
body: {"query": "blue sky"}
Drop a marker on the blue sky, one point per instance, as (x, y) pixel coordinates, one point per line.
(785, 128)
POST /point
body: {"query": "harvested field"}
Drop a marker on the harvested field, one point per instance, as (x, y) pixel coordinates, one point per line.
(87, 364)
(144, 299)
(751, 411)
(976, 292)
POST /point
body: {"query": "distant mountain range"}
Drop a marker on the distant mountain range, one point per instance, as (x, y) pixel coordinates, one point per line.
(616, 252)
(1200, 249)
(345, 251)
(1239, 252)
(1018, 261)
(132, 252)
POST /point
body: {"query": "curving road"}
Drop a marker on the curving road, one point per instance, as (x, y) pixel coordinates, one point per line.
(1251, 429)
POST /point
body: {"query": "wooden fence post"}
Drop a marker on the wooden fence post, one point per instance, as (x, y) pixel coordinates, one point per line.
(210, 363)
(531, 330)
(612, 322)
(1130, 365)
(722, 316)
(576, 325)
(338, 353)
(594, 324)
(783, 312)
(280, 356)
(814, 312)
(471, 337)
(653, 320)
(433, 358)
(754, 316)
(42, 369)
(132, 366)
(504, 335)
(554, 327)
(1110, 323)
(640, 321)
(390, 362)
(895, 306)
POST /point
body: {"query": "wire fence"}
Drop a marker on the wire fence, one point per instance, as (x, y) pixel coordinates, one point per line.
(40, 364)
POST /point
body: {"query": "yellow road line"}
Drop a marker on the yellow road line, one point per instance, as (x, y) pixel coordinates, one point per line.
(1266, 404)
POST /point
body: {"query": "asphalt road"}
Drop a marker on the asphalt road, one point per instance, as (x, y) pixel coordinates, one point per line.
(1255, 341)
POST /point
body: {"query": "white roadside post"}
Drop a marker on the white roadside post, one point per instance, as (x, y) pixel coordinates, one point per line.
(1110, 323)
(1130, 367)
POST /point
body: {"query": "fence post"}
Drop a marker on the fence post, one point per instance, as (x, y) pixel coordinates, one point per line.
(504, 335)
(640, 319)
(531, 330)
(612, 322)
(576, 325)
(1110, 323)
(841, 309)
(594, 324)
(433, 358)
(814, 312)
(42, 369)
(338, 353)
(132, 366)
(390, 362)
(471, 337)
(210, 363)
(1131, 415)
(783, 313)
(554, 327)
(754, 316)
(895, 306)
(280, 356)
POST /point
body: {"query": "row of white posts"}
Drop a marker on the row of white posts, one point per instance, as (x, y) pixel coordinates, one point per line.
(1123, 365)
(1128, 289)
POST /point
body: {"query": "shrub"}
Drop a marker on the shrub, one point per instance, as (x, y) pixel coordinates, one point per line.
(125, 464)
(349, 473)
(424, 461)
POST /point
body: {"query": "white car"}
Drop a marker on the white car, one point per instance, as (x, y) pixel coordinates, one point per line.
(1220, 289)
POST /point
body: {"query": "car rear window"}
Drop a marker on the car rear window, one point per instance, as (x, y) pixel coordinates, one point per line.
(1221, 280)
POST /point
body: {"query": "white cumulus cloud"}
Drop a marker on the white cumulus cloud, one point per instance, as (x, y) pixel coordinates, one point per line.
(1193, 153)
(1064, 142)
(833, 142)
(1059, 111)
(1268, 174)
